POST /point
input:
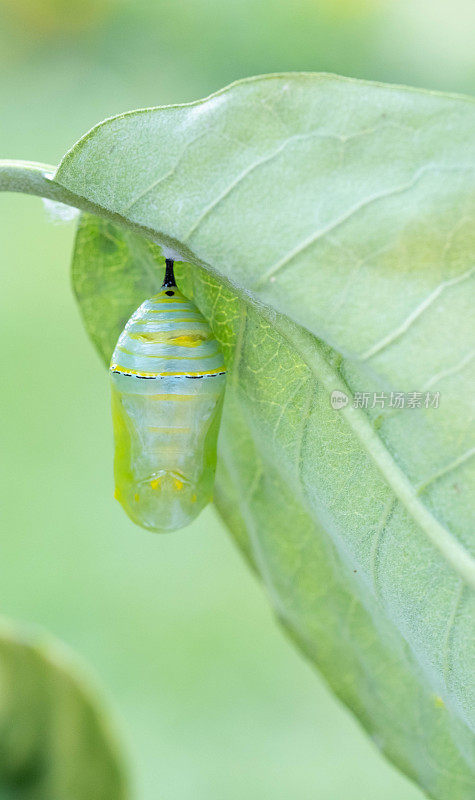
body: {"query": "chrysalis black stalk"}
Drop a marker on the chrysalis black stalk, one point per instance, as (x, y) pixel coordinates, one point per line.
(169, 279)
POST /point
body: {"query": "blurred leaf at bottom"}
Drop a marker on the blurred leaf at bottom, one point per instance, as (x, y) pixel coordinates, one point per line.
(56, 741)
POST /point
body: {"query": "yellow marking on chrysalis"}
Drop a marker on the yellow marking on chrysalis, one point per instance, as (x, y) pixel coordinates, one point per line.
(136, 497)
(439, 703)
(193, 498)
(155, 484)
(168, 318)
(174, 397)
(178, 485)
(126, 371)
(138, 373)
(186, 319)
(193, 374)
(168, 430)
(167, 300)
(170, 337)
(170, 313)
(189, 340)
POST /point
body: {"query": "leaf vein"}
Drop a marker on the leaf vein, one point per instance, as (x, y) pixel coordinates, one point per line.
(414, 315)
(377, 541)
(450, 371)
(446, 470)
(334, 224)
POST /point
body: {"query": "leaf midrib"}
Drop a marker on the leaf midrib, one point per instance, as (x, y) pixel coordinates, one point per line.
(452, 551)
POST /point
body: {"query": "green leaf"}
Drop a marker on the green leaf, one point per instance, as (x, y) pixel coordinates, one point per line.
(326, 606)
(332, 222)
(56, 742)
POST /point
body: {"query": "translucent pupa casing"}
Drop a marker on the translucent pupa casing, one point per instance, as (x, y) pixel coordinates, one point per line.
(167, 379)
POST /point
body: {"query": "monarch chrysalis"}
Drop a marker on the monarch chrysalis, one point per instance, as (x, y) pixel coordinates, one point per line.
(167, 378)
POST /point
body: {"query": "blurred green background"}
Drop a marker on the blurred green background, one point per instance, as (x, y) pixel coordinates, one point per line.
(213, 701)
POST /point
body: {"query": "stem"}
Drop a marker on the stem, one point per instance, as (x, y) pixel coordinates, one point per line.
(29, 177)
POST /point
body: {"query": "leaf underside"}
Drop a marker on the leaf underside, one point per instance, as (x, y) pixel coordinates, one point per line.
(330, 228)
(55, 741)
